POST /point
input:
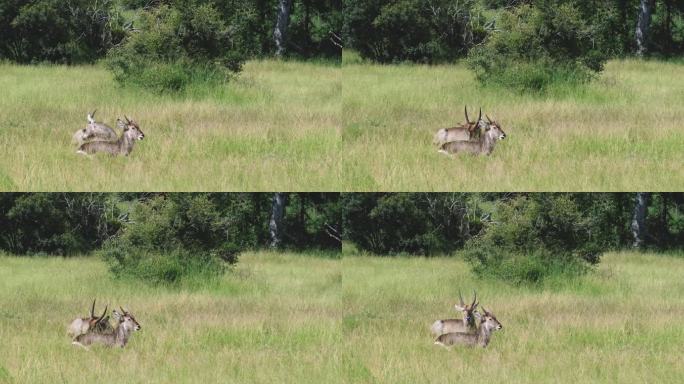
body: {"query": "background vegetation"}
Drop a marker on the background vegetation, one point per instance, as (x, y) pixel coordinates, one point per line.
(167, 238)
(525, 45)
(515, 237)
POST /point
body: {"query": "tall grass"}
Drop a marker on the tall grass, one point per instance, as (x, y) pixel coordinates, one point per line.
(275, 127)
(620, 132)
(619, 324)
(291, 318)
(274, 319)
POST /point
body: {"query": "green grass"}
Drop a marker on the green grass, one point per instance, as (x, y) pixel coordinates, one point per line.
(276, 127)
(291, 318)
(287, 125)
(274, 319)
(620, 324)
(622, 132)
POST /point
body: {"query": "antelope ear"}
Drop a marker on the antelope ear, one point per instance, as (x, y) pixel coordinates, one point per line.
(120, 124)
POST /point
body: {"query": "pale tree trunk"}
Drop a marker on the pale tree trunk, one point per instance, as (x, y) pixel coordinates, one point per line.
(643, 24)
(280, 31)
(275, 225)
(639, 219)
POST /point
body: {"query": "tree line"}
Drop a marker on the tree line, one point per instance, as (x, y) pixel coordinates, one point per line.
(514, 236)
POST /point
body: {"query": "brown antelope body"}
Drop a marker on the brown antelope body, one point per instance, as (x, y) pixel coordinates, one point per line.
(117, 337)
(488, 324)
(466, 324)
(483, 146)
(464, 132)
(94, 131)
(122, 146)
(83, 325)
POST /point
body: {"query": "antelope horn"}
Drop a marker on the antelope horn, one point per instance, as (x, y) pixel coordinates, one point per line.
(123, 311)
(466, 114)
(488, 119)
(480, 116)
(474, 298)
(460, 298)
(92, 114)
(127, 119)
(92, 310)
(103, 315)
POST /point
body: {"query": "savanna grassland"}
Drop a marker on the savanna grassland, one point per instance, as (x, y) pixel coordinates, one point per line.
(620, 324)
(621, 132)
(274, 319)
(274, 127)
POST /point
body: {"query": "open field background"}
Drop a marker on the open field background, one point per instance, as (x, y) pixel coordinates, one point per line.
(622, 132)
(276, 127)
(276, 318)
(621, 324)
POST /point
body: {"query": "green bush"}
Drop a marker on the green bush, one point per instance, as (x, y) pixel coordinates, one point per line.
(535, 47)
(534, 237)
(176, 47)
(175, 238)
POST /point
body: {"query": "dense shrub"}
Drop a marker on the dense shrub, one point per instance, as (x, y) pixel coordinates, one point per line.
(412, 30)
(175, 47)
(56, 223)
(533, 237)
(50, 30)
(413, 223)
(180, 236)
(534, 47)
(313, 221)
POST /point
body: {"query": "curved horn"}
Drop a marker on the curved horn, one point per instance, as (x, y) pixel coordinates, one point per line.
(474, 299)
(103, 315)
(460, 298)
(127, 119)
(92, 310)
(466, 114)
(480, 116)
(123, 311)
(92, 114)
(488, 119)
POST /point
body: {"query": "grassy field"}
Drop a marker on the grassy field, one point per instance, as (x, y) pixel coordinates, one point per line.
(290, 318)
(275, 319)
(276, 127)
(306, 126)
(623, 132)
(619, 325)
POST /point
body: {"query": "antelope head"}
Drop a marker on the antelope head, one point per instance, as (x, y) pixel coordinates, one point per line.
(131, 128)
(493, 129)
(468, 310)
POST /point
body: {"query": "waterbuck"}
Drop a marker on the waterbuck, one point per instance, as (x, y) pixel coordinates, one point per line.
(95, 131)
(93, 323)
(122, 146)
(118, 337)
(484, 145)
(467, 324)
(467, 131)
(488, 324)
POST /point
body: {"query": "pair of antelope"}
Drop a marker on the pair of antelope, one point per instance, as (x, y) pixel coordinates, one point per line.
(99, 137)
(469, 137)
(91, 330)
(473, 329)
